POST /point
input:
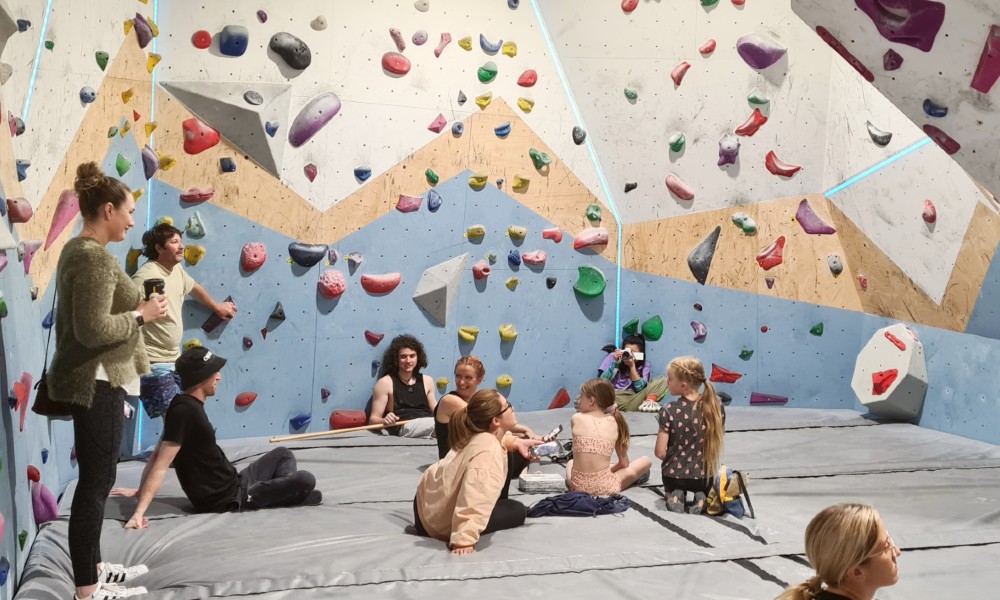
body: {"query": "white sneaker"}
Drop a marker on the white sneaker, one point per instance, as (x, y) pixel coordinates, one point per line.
(649, 406)
(112, 573)
(110, 591)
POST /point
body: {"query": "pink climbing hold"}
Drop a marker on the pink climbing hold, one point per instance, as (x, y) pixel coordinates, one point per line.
(395, 63)
(679, 188)
(883, 380)
(245, 399)
(771, 257)
(253, 256)
(397, 38)
(438, 124)
(895, 340)
(528, 78)
(407, 204)
(445, 40)
(197, 195)
(201, 39)
(844, 53)
(679, 71)
(721, 375)
(19, 210)
(929, 214)
(324, 393)
(373, 338)
(629, 5)
(534, 258)
(43, 504)
(942, 139)
(707, 48)
(591, 236)
(988, 70)
(481, 270)
(381, 284)
(198, 136)
(752, 124)
(700, 331)
(27, 250)
(67, 207)
(863, 282)
(22, 391)
(778, 167)
(311, 171)
(331, 284)
(811, 222)
(769, 281)
(553, 233)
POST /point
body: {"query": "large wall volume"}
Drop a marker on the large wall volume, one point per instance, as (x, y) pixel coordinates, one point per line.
(793, 329)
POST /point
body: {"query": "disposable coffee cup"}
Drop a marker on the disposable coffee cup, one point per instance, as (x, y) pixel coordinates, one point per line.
(153, 286)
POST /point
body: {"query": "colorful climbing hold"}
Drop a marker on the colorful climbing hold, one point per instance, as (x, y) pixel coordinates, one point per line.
(553, 233)
(678, 73)
(445, 40)
(195, 227)
(502, 130)
(514, 258)
(759, 51)
(307, 255)
(512, 283)
(757, 98)
(198, 136)
(419, 37)
(700, 331)
(33, 474)
(465, 43)
(891, 60)
(539, 159)
(278, 314)
(631, 95)
(679, 188)
(816, 329)
(87, 94)
(988, 69)
(313, 117)
(590, 237)
(676, 142)
(432, 177)
(746, 353)
(245, 399)
(593, 214)
(729, 149)
(520, 183)
(883, 380)
(487, 72)
(835, 263)
(771, 256)
(310, 171)
(745, 223)
(929, 214)
(942, 139)
(478, 181)
(528, 78)
(590, 282)
(167, 161)
(442, 383)
(912, 22)
(434, 199)
(252, 256)
(700, 259)
(707, 48)
(151, 61)
(483, 100)
(757, 398)
(536, 258)
(379, 285)
(193, 253)
(468, 333)
(19, 210)
(525, 104)
(722, 375)
(752, 124)
(505, 381)
(778, 167)
(331, 284)
(844, 53)
(127, 95)
(507, 332)
(457, 128)
(509, 49)
(863, 282)
(271, 127)
(362, 173)
(373, 338)
(407, 204)
(197, 195)
(150, 162)
(475, 231)
(652, 328)
(629, 5)
(397, 38)
(810, 221)
(517, 232)
(697, 307)
(233, 40)
(200, 39)
(143, 31)
(480, 270)
(933, 109)
(631, 327)
(881, 138)
(489, 47)
(102, 59)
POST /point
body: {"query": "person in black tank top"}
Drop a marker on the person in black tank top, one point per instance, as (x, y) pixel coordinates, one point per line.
(404, 393)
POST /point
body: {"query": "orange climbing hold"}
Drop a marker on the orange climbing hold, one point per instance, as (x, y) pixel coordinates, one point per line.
(772, 255)
(381, 284)
(721, 375)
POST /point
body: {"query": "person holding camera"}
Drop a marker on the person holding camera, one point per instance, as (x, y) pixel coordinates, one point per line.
(98, 359)
(628, 371)
(163, 274)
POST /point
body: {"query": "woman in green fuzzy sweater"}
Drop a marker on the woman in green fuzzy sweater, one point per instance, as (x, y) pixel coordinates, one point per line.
(99, 356)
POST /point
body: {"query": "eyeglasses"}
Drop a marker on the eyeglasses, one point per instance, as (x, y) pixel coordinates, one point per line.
(506, 408)
(889, 544)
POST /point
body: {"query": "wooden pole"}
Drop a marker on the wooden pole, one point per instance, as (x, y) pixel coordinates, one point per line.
(320, 434)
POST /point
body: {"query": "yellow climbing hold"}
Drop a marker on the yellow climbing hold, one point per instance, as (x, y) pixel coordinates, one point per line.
(127, 95)
(478, 181)
(153, 60)
(128, 25)
(484, 100)
(153, 27)
(193, 253)
(136, 194)
(505, 381)
(468, 333)
(509, 49)
(192, 343)
(466, 43)
(167, 220)
(525, 104)
(167, 161)
(125, 129)
(512, 283)
(517, 232)
(150, 128)
(442, 382)
(521, 183)
(475, 231)
(132, 260)
(507, 332)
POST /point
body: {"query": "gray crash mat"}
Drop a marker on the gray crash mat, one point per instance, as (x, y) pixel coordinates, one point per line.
(935, 492)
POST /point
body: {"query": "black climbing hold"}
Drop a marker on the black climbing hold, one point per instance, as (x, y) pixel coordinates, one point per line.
(700, 259)
(307, 255)
(23, 25)
(291, 49)
(253, 98)
(725, 398)
(227, 165)
(278, 314)
(579, 135)
(550, 282)
(630, 185)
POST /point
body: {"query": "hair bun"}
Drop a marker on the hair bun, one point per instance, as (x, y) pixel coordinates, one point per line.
(88, 176)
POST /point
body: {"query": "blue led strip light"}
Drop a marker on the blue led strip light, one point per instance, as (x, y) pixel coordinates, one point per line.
(38, 59)
(885, 163)
(597, 165)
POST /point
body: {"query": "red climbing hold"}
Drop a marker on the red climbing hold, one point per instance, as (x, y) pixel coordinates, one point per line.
(708, 47)
(344, 419)
(553, 233)
(560, 400)
(480, 270)
(331, 284)
(763, 328)
(629, 5)
(253, 256)
(840, 49)
(930, 213)
(198, 136)
(679, 71)
(33, 474)
(136, 116)
(20, 210)
(311, 171)
(395, 63)
(592, 236)
(895, 340)
(752, 124)
(883, 380)
(528, 78)
(863, 282)
(381, 284)
(778, 167)
(201, 39)
(988, 70)
(721, 375)
(245, 399)
(373, 338)
(942, 139)
(770, 257)
(198, 194)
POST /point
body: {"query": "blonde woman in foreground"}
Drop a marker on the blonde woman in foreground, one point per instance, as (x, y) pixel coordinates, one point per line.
(852, 553)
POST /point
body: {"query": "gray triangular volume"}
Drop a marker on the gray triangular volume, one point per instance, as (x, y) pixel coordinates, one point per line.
(438, 288)
(700, 258)
(8, 26)
(222, 106)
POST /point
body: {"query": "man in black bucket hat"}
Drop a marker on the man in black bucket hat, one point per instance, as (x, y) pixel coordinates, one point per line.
(207, 477)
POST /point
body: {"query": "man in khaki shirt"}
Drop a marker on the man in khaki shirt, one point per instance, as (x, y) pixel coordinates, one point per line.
(163, 246)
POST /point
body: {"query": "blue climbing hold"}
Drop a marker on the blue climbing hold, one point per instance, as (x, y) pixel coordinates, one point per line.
(487, 47)
(22, 168)
(49, 319)
(4, 570)
(514, 258)
(434, 200)
(87, 94)
(227, 165)
(233, 40)
(457, 128)
(271, 127)
(363, 173)
(23, 25)
(934, 109)
(45, 455)
(300, 421)
(513, 4)
(502, 130)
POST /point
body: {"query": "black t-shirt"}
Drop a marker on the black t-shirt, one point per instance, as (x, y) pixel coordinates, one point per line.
(206, 475)
(825, 595)
(410, 401)
(441, 431)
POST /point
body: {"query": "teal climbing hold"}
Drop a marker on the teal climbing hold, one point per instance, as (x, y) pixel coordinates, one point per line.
(652, 329)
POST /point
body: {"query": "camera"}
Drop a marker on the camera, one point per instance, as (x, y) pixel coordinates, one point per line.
(628, 353)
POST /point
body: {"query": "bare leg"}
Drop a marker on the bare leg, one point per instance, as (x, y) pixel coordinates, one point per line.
(569, 474)
(636, 469)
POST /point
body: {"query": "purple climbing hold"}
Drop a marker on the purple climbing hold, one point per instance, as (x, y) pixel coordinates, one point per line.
(912, 22)
(397, 38)
(407, 204)
(514, 258)
(247, 343)
(143, 32)
(891, 60)
(811, 222)
(150, 162)
(419, 37)
(988, 70)
(324, 393)
(434, 200)
(311, 171)
(700, 259)
(43, 504)
(700, 331)
(291, 49)
(729, 149)
(262, 16)
(233, 40)
(312, 118)
(758, 51)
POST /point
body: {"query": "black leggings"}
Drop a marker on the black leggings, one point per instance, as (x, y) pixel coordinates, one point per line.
(507, 514)
(515, 465)
(673, 484)
(274, 480)
(97, 433)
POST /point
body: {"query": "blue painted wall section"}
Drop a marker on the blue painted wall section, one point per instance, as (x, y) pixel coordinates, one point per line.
(985, 318)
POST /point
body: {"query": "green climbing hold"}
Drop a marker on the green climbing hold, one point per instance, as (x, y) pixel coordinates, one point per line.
(102, 59)
(22, 537)
(49, 44)
(122, 165)
(112, 132)
(652, 329)
(487, 72)
(432, 177)
(594, 213)
(3, 309)
(816, 329)
(709, 2)
(746, 223)
(757, 98)
(746, 353)
(540, 159)
(631, 327)
(591, 282)
(631, 94)
(676, 142)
